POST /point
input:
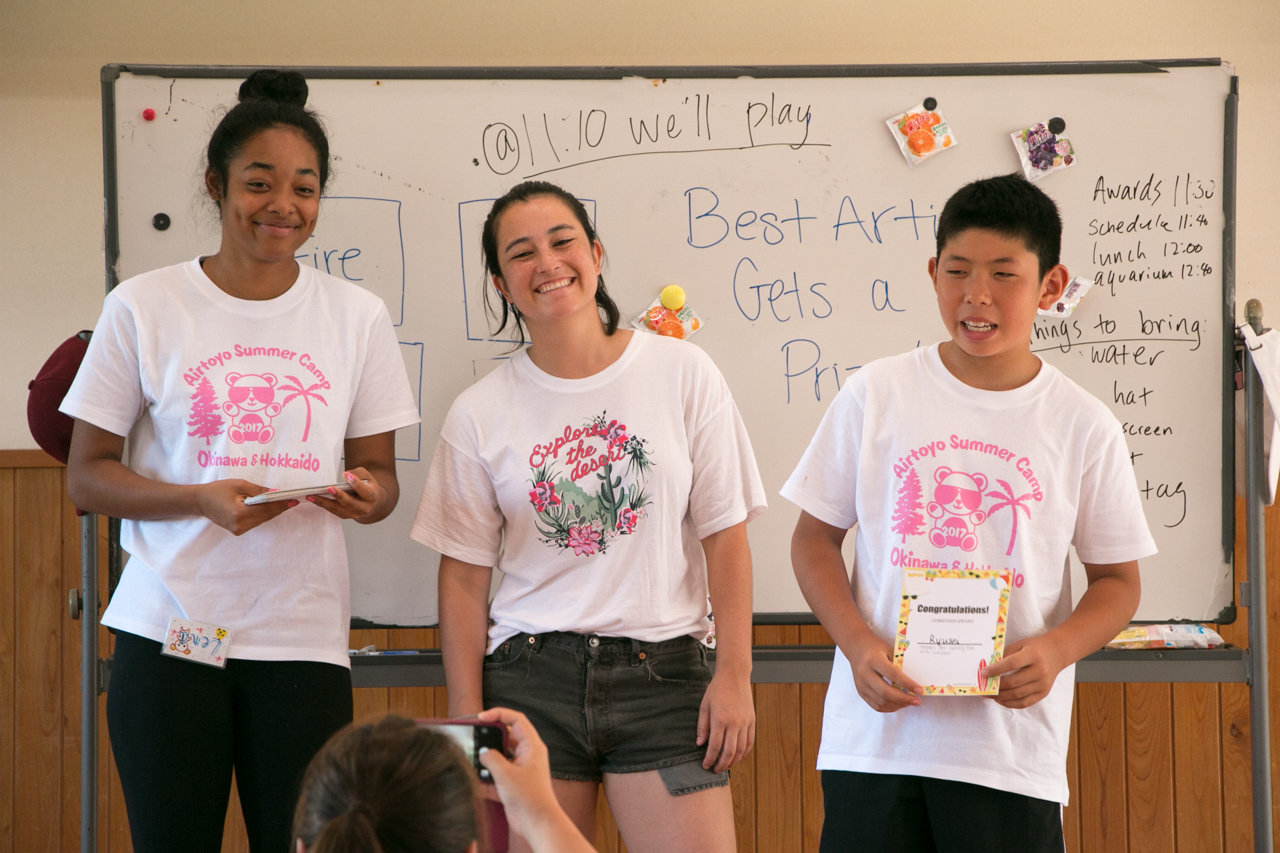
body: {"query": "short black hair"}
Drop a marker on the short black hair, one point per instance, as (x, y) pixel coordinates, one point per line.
(609, 314)
(1009, 205)
(268, 98)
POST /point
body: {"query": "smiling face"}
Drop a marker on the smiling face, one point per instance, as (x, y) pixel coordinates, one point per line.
(550, 267)
(989, 289)
(272, 197)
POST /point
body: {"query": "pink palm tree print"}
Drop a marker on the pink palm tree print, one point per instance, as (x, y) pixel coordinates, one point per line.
(1007, 499)
(307, 395)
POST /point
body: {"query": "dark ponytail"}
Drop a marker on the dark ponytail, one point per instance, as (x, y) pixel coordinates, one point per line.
(268, 98)
(609, 314)
(388, 787)
(351, 832)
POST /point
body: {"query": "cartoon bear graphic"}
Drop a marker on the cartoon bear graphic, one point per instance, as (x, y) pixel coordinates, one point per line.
(251, 405)
(955, 508)
(181, 643)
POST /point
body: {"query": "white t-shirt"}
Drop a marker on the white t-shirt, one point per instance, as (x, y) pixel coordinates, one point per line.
(933, 472)
(592, 495)
(210, 387)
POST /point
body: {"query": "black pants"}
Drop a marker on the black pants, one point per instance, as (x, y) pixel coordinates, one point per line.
(914, 814)
(178, 728)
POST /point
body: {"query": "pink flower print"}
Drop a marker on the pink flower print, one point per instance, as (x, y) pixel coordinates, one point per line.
(627, 518)
(544, 495)
(584, 539)
(616, 433)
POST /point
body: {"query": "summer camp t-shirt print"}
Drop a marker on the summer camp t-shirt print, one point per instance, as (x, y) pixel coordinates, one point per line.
(588, 486)
(259, 403)
(942, 514)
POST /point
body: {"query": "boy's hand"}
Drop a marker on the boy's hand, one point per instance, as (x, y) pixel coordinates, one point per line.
(1027, 671)
(873, 669)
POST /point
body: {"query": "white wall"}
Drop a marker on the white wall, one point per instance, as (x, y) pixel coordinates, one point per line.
(50, 119)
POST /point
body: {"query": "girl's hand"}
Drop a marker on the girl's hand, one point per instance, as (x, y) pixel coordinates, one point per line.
(524, 786)
(363, 503)
(726, 721)
(222, 502)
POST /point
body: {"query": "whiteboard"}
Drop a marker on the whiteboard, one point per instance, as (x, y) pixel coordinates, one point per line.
(778, 199)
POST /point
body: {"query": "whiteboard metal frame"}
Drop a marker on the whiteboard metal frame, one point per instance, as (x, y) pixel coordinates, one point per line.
(780, 663)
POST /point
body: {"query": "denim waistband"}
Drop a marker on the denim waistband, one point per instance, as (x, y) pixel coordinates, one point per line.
(594, 646)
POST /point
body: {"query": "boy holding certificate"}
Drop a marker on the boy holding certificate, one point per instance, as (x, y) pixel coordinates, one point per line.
(970, 468)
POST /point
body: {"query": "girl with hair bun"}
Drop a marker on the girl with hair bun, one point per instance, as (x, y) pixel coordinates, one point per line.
(235, 374)
(613, 491)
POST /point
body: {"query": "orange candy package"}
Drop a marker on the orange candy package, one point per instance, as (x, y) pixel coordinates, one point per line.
(921, 131)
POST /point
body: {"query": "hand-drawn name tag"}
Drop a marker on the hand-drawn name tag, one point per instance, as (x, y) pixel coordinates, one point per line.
(197, 642)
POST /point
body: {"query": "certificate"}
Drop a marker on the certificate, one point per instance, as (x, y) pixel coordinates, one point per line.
(949, 625)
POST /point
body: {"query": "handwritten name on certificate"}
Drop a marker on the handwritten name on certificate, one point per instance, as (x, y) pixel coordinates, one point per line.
(950, 624)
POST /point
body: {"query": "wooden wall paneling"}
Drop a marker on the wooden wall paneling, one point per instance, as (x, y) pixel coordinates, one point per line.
(410, 701)
(1237, 764)
(370, 701)
(38, 718)
(815, 635)
(235, 837)
(71, 645)
(778, 797)
(1071, 814)
(113, 822)
(608, 839)
(1197, 762)
(1233, 704)
(1103, 817)
(439, 695)
(742, 785)
(1149, 750)
(1272, 549)
(812, 697)
(33, 458)
(8, 655)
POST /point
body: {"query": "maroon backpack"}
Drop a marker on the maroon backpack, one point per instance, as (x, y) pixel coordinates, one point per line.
(49, 427)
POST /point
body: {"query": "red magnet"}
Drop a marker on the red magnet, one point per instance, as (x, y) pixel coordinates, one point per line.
(149, 114)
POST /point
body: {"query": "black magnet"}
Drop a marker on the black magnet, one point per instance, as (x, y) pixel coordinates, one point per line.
(160, 221)
(930, 103)
(1057, 125)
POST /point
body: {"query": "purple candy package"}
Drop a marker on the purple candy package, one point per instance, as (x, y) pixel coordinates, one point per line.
(1044, 148)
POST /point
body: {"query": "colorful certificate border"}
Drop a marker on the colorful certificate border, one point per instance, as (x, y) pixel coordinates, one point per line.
(986, 687)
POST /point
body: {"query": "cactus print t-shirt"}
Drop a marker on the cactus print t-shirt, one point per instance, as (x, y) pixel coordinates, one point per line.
(592, 495)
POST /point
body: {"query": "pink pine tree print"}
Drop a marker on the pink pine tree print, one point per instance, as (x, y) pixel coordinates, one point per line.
(907, 519)
(204, 412)
(307, 396)
(1007, 500)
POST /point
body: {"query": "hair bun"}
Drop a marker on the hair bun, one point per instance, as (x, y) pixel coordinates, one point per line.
(272, 84)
